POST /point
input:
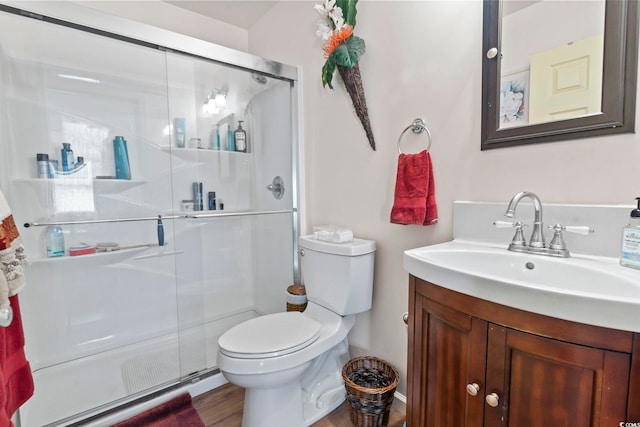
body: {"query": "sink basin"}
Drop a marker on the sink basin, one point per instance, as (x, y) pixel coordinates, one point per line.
(586, 289)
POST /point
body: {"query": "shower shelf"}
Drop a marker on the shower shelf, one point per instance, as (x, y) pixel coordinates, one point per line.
(191, 153)
(98, 258)
(159, 254)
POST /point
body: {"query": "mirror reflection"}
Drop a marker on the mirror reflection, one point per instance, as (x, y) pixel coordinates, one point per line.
(553, 71)
(590, 92)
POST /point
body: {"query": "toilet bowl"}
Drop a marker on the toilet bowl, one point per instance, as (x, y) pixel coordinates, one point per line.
(290, 364)
(281, 389)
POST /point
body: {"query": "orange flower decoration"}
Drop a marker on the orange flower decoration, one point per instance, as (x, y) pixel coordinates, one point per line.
(336, 39)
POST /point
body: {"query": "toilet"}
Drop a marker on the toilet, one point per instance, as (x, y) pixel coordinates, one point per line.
(290, 364)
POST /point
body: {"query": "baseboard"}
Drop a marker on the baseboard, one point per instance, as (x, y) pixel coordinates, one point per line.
(207, 384)
(399, 403)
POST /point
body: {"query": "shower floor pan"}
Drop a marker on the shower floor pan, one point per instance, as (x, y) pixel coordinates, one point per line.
(70, 391)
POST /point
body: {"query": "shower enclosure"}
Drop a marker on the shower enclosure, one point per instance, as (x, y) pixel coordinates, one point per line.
(107, 328)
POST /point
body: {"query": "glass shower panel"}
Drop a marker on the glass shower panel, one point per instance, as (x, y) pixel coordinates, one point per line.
(235, 255)
(100, 327)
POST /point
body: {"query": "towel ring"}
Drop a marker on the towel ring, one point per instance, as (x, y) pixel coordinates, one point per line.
(418, 126)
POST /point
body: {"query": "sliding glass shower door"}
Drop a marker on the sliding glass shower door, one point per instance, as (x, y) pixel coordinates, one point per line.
(186, 231)
(230, 138)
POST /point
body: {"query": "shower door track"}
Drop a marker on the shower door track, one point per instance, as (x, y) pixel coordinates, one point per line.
(155, 218)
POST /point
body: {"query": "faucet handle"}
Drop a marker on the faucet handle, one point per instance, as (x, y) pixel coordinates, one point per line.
(508, 224)
(558, 242)
(518, 238)
(578, 229)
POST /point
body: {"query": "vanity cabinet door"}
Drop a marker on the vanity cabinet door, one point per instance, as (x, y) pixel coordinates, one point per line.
(447, 353)
(541, 382)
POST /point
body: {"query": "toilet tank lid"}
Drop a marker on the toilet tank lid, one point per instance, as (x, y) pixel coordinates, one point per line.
(352, 248)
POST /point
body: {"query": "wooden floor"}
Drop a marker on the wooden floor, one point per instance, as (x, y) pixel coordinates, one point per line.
(222, 407)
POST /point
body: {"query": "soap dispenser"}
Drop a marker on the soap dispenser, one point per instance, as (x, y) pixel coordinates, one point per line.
(630, 254)
(240, 137)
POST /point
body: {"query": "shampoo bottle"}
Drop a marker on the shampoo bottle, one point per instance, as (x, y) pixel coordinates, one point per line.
(121, 156)
(630, 254)
(66, 155)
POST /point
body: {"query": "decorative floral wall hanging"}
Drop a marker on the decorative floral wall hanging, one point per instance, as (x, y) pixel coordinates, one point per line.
(342, 50)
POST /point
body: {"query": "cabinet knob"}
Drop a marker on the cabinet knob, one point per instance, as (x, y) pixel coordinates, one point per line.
(473, 389)
(405, 318)
(492, 399)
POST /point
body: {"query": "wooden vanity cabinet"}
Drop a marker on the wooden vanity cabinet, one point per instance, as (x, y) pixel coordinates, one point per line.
(475, 363)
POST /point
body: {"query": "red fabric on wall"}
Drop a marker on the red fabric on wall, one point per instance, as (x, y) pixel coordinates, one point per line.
(414, 197)
(16, 382)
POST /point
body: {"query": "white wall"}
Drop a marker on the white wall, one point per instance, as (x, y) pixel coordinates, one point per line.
(173, 18)
(423, 60)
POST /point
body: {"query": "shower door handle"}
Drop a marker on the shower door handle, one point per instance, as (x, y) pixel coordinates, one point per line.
(277, 187)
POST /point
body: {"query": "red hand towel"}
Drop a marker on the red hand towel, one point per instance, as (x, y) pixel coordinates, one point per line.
(414, 199)
(16, 382)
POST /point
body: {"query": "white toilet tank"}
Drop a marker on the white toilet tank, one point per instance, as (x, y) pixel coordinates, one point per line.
(338, 276)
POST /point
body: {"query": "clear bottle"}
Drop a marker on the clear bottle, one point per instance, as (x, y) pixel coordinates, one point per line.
(55, 241)
(179, 131)
(67, 157)
(630, 253)
(231, 144)
(197, 196)
(240, 136)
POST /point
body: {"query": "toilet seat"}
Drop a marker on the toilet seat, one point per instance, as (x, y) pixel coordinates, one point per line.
(270, 336)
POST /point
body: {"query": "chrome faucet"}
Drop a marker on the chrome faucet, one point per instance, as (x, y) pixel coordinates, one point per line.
(536, 244)
(537, 238)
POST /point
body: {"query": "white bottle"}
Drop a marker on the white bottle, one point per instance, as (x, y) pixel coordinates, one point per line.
(630, 254)
(55, 241)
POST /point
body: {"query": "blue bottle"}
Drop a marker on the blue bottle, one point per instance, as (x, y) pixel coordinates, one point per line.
(231, 142)
(121, 155)
(218, 137)
(67, 157)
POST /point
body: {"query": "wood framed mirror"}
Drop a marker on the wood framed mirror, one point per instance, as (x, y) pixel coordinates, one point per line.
(518, 82)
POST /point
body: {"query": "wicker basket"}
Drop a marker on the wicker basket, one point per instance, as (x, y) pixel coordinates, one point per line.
(370, 403)
(294, 298)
